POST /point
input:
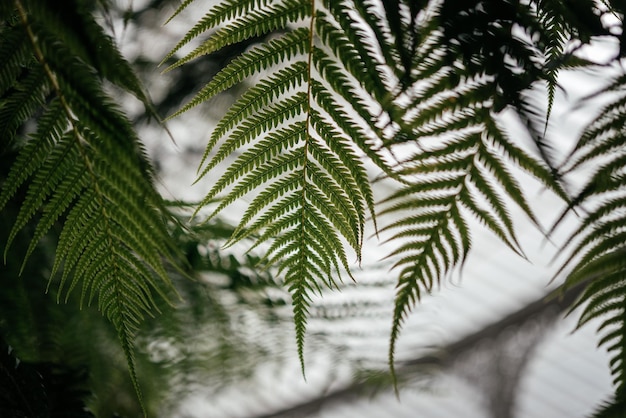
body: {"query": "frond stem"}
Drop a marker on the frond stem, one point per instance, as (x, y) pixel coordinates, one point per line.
(309, 93)
(66, 107)
(123, 331)
(308, 137)
(58, 91)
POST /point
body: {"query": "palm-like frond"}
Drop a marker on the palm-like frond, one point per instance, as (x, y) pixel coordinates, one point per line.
(613, 408)
(343, 80)
(599, 252)
(83, 164)
(316, 192)
(470, 62)
(353, 81)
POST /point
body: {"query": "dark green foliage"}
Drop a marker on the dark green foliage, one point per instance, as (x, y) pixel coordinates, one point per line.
(41, 331)
(415, 90)
(611, 409)
(315, 189)
(598, 246)
(82, 165)
(39, 390)
(44, 333)
(429, 78)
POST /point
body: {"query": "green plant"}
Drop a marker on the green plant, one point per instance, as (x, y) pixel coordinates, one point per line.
(83, 163)
(413, 88)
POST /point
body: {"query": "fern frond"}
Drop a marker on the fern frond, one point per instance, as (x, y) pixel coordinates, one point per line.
(260, 96)
(397, 59)
(349, 175)
(264, 152)
(264, 120)
(463, 166)
(605, 133)
(611, 408)
(344, 84)
(444, 184)
(597, 249)
(221, 12)
(344, 38)
(183, 5)
(281, 189)
(346, 122)
(83, 167)
(14, 51)
(28, 96)
(315, 188)
(432, 221)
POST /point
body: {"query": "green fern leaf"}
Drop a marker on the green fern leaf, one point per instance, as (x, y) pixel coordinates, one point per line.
(315, 188)
(253, 126)
(257, 97)
(183, 5)
(289, 45)
(341, 86)
(596, 257)
(221, 12)
(83, 167)
(14, 51)
(463, 164)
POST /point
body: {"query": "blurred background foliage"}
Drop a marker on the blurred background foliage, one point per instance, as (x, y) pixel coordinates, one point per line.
(202, 339)
(58, 360)
(228, 317)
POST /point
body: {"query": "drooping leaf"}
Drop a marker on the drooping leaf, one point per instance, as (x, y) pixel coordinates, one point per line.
(83, 166)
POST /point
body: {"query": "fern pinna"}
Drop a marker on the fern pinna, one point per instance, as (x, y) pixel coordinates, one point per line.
(414, 87)
(82, 164)
(597, 258)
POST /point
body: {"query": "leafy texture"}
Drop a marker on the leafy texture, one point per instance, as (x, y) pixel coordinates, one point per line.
(315, 191)
(468, 66)
(414, 88)
(598, 246)
(409, 90)
(613, 408)
(82, 164)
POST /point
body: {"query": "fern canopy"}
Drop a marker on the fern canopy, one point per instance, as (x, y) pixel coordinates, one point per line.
(344, 91)
(414, 88)
(81, 165)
